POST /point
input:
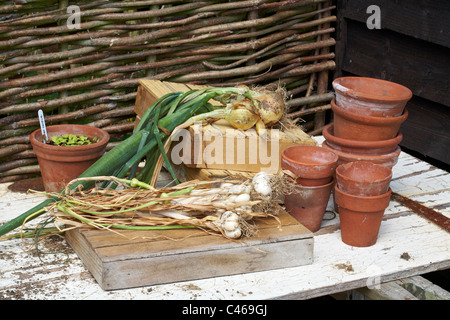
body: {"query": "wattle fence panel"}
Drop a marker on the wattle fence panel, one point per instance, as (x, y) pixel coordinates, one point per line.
(80, 61)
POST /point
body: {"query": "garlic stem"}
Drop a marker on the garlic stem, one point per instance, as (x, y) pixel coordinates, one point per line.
(174, 214)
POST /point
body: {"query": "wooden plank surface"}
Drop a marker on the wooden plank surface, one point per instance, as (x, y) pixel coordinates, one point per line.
(136, 258)
(422, 68)
(427, 129)
(412, 288)
(422, 19)
(408, 245)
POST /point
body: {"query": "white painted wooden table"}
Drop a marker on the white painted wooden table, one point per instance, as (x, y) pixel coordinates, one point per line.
(407, 245)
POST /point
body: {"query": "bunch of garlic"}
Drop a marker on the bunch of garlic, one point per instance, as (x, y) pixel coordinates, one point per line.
(231, 222)
(262, 186)
(232, 202)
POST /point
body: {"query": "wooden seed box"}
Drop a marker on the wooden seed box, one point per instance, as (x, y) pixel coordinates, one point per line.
(218, 146)
(142, 258)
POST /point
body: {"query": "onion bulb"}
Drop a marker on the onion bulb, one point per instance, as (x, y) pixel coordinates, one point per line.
(245, 108)
(241, 114)
(269, 105)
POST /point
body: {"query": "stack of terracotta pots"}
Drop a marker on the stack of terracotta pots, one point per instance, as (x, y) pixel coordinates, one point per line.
(368, 114)
(313, 169)
(365, 135)
(362, 193)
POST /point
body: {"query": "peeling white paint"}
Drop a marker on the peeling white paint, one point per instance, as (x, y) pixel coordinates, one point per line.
(24, 276)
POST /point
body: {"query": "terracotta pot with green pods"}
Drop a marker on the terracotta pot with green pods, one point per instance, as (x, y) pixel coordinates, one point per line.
(61, 164)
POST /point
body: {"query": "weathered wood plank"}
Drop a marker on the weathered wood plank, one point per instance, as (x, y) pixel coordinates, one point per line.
(135, 241)
(336, 268)
(155, 257)
(424, 289)
(387, 291)
(427, 129)
(408, 245)
(411, 288)
(422, 19)
(388, 55)
(414, 178)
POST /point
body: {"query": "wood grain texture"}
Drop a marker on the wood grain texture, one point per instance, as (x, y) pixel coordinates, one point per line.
(408, 245)
(422, 19)
(140, 258)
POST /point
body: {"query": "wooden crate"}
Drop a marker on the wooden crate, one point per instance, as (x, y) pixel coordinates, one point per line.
(141, 258)
(249, 152)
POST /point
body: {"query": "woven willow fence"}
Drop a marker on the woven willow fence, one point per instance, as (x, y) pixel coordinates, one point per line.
(80, 61)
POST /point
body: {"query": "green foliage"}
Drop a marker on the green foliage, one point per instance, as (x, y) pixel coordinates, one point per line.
(72, 140)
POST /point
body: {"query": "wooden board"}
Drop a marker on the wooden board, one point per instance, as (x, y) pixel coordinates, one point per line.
(221, 147)
(211, 174)
(140, 258)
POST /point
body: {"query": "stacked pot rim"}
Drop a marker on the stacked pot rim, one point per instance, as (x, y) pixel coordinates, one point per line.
(362, 193)
(368, 114)
(312, 169)
(371, 96)
(365, 134)
(351, 125)
(363, 178)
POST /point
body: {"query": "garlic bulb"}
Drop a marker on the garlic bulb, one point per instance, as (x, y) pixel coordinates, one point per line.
(229, 223)
(230, 199)
(261, 185)
(244, 197)
(226, 185)
(239, 189)
(235, 234)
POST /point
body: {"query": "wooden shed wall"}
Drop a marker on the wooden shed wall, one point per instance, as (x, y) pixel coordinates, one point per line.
(412, 48)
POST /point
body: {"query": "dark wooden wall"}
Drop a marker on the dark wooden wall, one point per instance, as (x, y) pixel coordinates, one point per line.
(411, 48)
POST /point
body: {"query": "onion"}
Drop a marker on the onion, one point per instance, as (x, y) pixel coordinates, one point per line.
(269, 105)
(245, 108)
(241, 114)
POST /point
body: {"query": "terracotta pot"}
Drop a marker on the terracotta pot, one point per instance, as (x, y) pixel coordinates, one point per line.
(388, 160)
(371, 97)
(308, 204)
(363, 178)
(360, 217)
(60, 165)
(349, 125)
(360, 147)
(313, 165)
